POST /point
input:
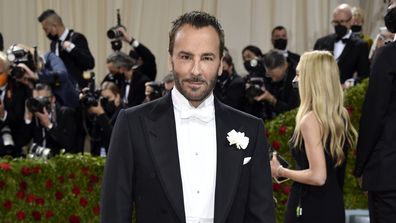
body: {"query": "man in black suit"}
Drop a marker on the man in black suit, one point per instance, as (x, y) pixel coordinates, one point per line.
(230, 87)
(130, 81)
(376, 148)
(350, 51)
(170, 158)
(279, 42)
(52, 126)
(71, 47)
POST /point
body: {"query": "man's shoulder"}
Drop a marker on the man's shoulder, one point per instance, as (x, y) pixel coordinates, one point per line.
(148, 107)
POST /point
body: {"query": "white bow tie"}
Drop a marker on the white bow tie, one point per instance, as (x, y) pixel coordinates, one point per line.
(205, 114)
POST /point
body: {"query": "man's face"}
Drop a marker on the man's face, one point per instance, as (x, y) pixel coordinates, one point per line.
(277, 74)
(48, 28)
(248, 55)
(279, 34)
(196, 62)
(342, 18)
(113, 69)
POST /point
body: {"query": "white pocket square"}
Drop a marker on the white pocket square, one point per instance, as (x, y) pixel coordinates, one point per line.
(246, 160)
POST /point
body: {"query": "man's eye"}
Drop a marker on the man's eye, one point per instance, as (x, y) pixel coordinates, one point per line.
(208, 58)
(185, 57)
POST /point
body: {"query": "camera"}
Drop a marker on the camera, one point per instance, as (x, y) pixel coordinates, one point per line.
(17, 55)
(89, 96)
(37, 151)
(7, 141)
(256, 85)
(38, 104)
(158, 89)
(114, 34)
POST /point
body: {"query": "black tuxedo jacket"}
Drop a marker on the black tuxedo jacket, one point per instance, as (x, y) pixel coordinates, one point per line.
(79, 59)
(149, 66)
(136, 93)
(354, 57)
(143, 170)
(376, 149)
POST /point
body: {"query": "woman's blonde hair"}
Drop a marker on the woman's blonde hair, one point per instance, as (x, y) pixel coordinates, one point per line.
(321, 92)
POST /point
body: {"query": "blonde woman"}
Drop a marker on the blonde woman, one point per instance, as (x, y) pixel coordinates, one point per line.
(322, 135)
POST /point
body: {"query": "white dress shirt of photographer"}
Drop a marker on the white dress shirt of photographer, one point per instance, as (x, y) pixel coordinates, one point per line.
(51, 70)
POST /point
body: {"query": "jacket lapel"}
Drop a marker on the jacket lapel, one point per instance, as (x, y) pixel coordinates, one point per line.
(229, 163)
(348, 47)
(163, 147)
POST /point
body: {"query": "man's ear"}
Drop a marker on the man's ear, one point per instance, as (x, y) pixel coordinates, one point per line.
(220, 71)
(170, 62)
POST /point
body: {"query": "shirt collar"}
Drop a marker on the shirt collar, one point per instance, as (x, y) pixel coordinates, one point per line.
(64, 35)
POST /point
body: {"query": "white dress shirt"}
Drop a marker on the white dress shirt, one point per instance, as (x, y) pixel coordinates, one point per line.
(196, 140)
(339, 45)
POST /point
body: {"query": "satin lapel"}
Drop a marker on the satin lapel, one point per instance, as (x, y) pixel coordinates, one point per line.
(229, 163)
(162, 139)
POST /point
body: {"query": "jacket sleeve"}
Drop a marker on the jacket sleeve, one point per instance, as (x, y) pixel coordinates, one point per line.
(80, 53)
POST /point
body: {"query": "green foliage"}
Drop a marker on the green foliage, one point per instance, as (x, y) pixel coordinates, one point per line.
(279, 132)
(63, 189)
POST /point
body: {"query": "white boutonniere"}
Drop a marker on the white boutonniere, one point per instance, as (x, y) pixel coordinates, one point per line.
(238, 138)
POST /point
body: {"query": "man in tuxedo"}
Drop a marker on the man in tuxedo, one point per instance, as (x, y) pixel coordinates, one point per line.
(130, 81)
(279, 42)
(376, 148)
(71, 47)
(350, 52)
(170, 158)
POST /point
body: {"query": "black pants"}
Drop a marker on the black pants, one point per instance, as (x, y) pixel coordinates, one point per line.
(382, 206)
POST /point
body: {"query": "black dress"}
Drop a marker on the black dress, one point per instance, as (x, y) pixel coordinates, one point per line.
(318, 203)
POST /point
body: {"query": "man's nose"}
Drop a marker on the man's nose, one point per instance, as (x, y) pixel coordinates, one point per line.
(196, 70)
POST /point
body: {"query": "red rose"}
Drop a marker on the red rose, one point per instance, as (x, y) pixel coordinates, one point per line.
(74, 219)
(94, 179)
(83, 202)
(36, 169)
(85, 171)
(31, 198)
(21, 194)
(40, 201)
(7, 205)
(286, 189)
(5, 166)
(25, 171)
(21, 215)
(22, 185)
(276, 145)
(282, 130)
(36, 215)
(58, 195)
(96, 210)
(61, 179)
(276, 186)
(2, 185)
(350, 110)
(48, 184)
(89, 188)
(49, 214)
(76, 190)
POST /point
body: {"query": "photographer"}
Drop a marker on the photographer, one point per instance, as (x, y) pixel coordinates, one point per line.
(156, 90)
(230, 87)
(145, 58)
(130, 81)
(102, 117)
(278, 95)
(53, 126)
(30, 67)
(13, 131)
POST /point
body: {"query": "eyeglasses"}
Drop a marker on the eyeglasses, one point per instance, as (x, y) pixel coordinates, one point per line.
(339, 22)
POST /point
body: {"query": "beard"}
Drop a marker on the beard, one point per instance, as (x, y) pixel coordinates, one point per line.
(195, 88)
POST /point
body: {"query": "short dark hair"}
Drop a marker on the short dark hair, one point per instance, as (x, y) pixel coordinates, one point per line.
(253, 49)
(120, 59)
(274, 59)
(50, 14)
(197, 19)
(277, 28)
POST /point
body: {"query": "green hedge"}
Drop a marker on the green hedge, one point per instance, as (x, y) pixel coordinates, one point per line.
(66, 188)
(280, 130)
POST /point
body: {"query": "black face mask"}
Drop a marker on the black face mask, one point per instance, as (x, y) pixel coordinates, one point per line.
(224, 75)
(390, 20)
(280, 44)
(340, 31)
(52, 37)
(356, 28)
(108, 106)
